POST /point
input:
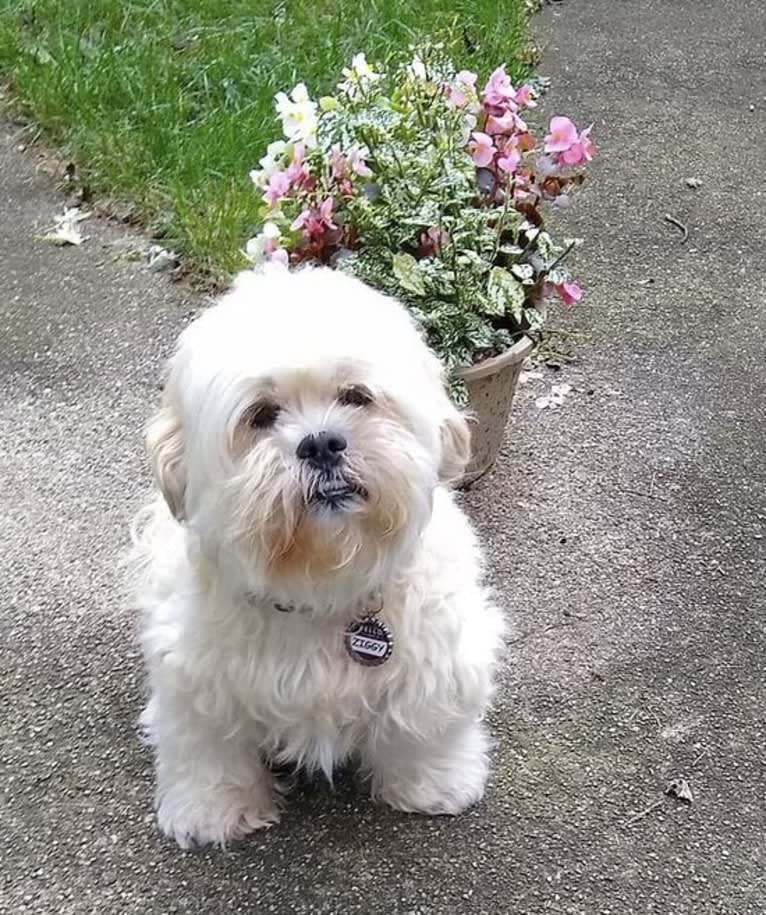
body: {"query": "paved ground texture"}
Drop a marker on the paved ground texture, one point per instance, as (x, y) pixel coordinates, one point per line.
(626, 532)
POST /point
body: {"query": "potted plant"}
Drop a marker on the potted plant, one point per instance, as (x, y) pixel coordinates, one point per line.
(433, 191)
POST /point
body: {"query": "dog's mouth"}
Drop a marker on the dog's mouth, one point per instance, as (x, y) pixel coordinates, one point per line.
(337, 494)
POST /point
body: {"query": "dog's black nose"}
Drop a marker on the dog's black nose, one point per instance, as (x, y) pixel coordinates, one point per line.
(322, 451)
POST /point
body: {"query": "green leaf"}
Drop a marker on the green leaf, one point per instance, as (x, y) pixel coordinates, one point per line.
(406, 271)
(533, 318)
(545, 245)
(504, 293)
(41, 54)
(557, 277)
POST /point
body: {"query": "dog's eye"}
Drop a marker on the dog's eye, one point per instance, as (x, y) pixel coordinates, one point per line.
(263, 414)
(355, 396)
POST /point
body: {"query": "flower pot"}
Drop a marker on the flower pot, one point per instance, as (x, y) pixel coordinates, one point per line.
(491, 385)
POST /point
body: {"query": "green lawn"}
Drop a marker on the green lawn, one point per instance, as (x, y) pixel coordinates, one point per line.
(168, 104)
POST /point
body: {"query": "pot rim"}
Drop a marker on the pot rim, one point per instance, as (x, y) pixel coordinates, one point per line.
(516, 353)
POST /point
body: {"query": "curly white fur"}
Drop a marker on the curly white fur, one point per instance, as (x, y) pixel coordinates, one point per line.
(235, 683)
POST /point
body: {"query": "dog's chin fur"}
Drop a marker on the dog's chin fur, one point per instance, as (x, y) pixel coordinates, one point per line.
(242, 529)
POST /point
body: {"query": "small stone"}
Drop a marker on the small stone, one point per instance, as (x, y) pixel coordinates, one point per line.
(693, 182)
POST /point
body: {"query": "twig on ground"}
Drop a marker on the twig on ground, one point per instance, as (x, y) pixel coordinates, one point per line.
(644, 813)
(679, 225)
(559, 625)
(636, 492)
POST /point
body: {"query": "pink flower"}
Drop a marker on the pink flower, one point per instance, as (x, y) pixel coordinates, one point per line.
(357, 163)
(562, 135)
(314, 222)
(499, 93)
(325, 212)
(464, 87)
(337, 162)
(278, 256)
(301, 220)
(481, 148)
(569, 292)
(525, 97)
(278, 186)
(581, 151)
(522, 191)
(296, 170)
(505, 123)
(509, 160)
(340, 164)
(508, 122)
(432, 241)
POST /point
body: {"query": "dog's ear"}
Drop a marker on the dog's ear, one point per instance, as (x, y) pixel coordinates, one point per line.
(165, 444)
(454, 431)
(456, 446)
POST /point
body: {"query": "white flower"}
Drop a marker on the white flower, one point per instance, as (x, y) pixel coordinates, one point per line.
(360, 69)
(298, 114)
(274, 152)
(263, 244)
(254, 249)
(417, 68)
(270, 163)
(357, 76)
(467, 127)
(300, 94)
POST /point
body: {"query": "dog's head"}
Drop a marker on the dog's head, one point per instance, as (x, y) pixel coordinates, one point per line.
(305, 425)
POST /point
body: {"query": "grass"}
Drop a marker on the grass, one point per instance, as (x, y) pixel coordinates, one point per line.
(168, 104)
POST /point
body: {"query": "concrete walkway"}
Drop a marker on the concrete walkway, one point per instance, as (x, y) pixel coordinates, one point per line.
(626, 532)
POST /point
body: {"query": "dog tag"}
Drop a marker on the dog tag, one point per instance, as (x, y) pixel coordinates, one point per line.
(369, 641)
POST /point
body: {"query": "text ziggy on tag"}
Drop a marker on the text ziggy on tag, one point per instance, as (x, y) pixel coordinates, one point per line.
(368, 646)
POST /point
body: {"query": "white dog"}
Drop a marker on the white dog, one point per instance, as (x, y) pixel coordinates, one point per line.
(311, 590)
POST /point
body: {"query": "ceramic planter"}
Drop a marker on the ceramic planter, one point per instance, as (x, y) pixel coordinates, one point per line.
(491, 386)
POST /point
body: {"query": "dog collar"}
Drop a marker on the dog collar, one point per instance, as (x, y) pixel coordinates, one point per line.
(368, 640)
(371, 606)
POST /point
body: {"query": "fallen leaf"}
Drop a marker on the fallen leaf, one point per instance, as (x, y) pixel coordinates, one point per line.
(66, 231)
(556, 397)
(679, 788)
(159, 258)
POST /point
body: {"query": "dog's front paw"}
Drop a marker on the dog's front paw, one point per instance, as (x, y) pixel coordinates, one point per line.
(215, 816)
(425, 794)
(445, 778)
